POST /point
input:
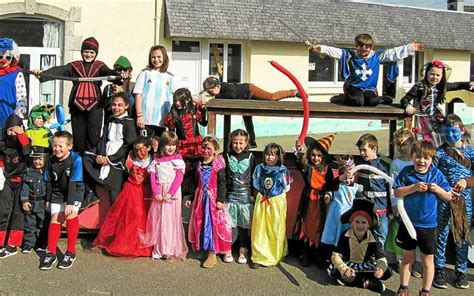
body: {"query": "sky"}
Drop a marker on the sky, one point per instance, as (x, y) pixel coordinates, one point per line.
(437, 4)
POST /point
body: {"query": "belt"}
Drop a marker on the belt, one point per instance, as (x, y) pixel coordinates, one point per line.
(39, 198)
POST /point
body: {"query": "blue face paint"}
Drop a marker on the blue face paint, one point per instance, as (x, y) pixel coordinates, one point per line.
(452, 134)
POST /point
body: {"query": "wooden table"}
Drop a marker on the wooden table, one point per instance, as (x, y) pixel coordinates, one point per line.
(392, 113)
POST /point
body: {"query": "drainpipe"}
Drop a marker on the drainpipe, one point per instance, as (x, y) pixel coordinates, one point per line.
(156, 22)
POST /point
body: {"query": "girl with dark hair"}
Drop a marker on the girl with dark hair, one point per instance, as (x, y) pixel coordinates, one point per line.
(425, 97)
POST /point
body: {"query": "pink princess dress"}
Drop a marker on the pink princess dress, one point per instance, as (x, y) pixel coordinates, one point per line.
(164, 229)
(210, 228)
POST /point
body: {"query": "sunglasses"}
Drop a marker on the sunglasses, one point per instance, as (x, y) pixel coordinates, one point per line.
(6, 57)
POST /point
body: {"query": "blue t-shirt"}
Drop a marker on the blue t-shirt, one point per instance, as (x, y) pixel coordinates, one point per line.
(421, 206)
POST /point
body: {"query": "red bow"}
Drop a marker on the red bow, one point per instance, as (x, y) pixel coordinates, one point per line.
(438, 64)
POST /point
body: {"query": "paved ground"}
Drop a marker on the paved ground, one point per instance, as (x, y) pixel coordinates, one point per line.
(97, 274)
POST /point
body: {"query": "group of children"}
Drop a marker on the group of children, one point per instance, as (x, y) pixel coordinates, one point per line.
(343, 216)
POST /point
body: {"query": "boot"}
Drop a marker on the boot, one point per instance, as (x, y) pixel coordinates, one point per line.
(210, 261)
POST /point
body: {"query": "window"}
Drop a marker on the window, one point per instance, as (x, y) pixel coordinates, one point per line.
(225, 60)
(322, 68)
(472, 67)
(410, 69)
(185, 46)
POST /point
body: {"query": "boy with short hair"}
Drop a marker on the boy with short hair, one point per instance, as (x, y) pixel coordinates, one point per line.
(376, 189)
(455, 160)
(360, 68)
(420, 184)
(33, 199)
(65, 191)
(358, 260)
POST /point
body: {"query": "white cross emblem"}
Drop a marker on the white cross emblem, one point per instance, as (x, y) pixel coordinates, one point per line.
(364, 72)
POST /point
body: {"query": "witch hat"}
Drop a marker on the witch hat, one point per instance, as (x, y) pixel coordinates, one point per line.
(323, 144)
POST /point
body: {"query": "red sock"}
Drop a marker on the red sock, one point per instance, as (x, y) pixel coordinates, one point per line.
(15, 238)
(54, 232)
(3, 234)
(72, 227)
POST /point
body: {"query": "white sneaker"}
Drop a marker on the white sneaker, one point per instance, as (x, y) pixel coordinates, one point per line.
(228, 257)
(242, 256)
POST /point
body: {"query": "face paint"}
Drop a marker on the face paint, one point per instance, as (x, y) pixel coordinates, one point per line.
(452, 133)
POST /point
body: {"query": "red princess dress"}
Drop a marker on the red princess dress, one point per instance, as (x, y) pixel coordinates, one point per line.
(126, 219)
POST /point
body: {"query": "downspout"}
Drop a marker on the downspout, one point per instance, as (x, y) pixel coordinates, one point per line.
(156, 22)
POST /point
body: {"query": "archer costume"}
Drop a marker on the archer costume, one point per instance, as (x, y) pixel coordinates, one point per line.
(85, 101)
(40, 136)
(184, 122)
(164, 230)
(15, 150)
(455, 164)
(426, 101)
(12, 80)
(239, 168)
(269, 244)
(210, 228)
(118, 135)
(361, 74)
(120, 233)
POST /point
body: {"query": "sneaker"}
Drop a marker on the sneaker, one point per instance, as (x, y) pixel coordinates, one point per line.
(416, 274)
(242, 256)
(67, 261)
(304, 258)
(403, 292)
(254, 265)
(47, 262)
(228, 257)
(7, 252)
(252, 145)
(26, 250)
(461, 280)
(210, 261)
(374, 285)
(440, 279)
(41, 249)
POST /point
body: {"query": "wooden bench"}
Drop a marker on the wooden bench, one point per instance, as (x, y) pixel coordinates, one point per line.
(215, 107)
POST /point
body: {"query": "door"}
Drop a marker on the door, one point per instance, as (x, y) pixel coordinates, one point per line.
(186, 65)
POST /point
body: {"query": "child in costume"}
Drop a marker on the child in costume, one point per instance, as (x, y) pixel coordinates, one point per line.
(12, 80)
(210, 227)
(454, 159)
(358, 260)
(360, 68)
(425, 97)
(164, 229)
(123, 66)
(376, 188)
(341, 202)
(85, 101)
(64, 181)
(33, 199)
(15, 149)
(153, 90)
(240, 164)
(271, 180)
(183, 119)
(39, 135)
(120, 233)
(421, 186)
(319, 179)
(106, 164)
(223, 90)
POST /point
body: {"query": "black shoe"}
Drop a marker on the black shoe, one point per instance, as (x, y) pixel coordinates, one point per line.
(440, 279)
(304, 259)
(7, 252)
(461, 280)
(252, 144)
(67, 261)
(254, 265)
(386, 100)
(374, 285)
(47, 262)
(26, 249)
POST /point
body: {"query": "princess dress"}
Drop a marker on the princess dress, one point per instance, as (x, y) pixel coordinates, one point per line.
(164, 228)
(209, 228)
(119, 234)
